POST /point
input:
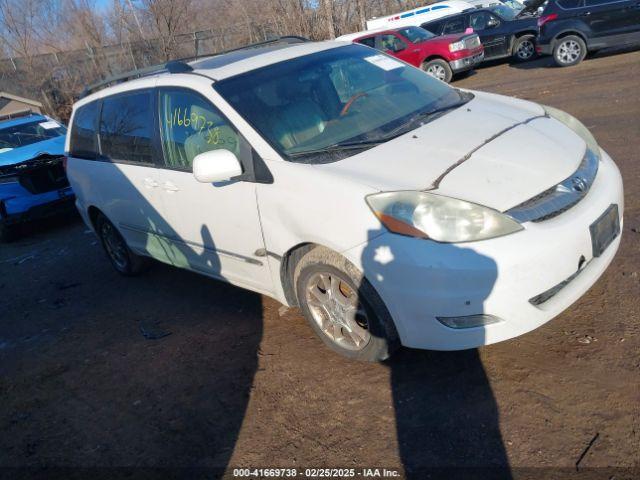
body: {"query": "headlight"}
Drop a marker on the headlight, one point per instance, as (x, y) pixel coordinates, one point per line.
(576, 125)
(439, 218)
(456, 46)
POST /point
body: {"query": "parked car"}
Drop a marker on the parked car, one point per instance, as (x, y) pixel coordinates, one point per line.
(416, 16)
(569, 29)
(33, 183)
(502, 31)
(441, 57)
(390, 207)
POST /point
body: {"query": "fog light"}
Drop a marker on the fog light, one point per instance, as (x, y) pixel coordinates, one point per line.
(468, 321)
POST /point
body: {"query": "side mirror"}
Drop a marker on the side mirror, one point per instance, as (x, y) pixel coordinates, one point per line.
(492, 23)
(216, 166)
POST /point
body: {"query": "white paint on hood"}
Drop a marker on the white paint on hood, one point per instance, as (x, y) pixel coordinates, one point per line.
(514, 152)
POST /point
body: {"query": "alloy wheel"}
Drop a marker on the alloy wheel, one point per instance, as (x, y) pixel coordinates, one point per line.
(114, 245)
(568, 52)
(526, 50)
(437, 71)
(337, 310)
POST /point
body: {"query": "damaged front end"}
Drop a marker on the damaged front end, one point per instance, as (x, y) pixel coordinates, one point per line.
(34, 189)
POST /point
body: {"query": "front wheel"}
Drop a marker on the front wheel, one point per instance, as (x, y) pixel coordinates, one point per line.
(343, 308)
(122, 258)
(438, 68)
(524, 48)
(569, 51)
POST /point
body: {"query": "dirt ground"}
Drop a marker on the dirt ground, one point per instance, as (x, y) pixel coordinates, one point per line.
(239, 381)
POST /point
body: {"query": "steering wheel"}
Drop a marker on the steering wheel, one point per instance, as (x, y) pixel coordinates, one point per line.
(350, 102)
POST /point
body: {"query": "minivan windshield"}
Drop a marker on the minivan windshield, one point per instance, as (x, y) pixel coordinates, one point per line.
(328, 105)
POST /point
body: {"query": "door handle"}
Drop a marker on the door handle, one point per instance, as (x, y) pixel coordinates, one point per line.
(150, 183)
(170, 187)
(585, 14)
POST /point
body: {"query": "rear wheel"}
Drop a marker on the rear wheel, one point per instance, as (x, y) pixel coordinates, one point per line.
(524, 48)
(343, 308)
(569, 51)
(438, 68)
(122, 258)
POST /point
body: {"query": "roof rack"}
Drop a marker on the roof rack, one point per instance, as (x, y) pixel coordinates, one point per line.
(181, 65)
(288, 39)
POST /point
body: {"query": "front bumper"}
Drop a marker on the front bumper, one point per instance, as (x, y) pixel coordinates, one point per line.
(420, 280)
(466, 63)
(22, 208)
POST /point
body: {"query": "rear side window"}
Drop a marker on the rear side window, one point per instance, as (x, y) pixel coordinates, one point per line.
(126, 126)
(369, 42)
(190, 125)
(82, 142)
(454, 26)
(433, 27)
(392, 43)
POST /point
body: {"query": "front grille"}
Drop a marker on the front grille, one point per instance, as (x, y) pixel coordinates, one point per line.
(561, 197)
(472, 42)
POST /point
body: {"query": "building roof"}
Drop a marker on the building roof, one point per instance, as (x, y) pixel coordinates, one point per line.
(16, 98)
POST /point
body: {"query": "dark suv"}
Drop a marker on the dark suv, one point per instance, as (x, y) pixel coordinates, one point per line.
(503, 31)
(571, 28)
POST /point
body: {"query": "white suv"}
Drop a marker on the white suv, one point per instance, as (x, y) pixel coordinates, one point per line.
(390, 207)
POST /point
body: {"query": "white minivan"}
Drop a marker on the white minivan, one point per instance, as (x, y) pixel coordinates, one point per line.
(390, 207)
(417, 16)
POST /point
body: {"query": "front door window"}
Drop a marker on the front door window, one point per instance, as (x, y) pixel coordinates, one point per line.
(190, 125)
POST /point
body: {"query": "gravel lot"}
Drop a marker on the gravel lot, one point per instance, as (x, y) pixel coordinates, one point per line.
(242, 382)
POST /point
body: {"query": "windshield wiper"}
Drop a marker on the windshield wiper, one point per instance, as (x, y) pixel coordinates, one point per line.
(394, 133)
(338, 147)
(407, 126)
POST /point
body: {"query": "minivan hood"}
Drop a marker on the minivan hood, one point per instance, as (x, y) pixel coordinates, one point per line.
(494, 150)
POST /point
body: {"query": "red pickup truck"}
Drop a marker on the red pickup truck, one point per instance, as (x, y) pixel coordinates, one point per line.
(440, 56)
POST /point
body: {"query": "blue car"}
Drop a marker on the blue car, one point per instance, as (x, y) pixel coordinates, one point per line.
(33, 182)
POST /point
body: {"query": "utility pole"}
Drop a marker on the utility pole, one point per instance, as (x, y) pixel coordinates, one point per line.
(135, 16)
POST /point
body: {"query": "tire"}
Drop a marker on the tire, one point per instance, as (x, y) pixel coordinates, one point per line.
(524, 49)
(439, 69)
(120, 255)
(368, 334)
(569, 51)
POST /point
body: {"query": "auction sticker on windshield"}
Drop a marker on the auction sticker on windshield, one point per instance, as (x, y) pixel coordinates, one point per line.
(49, 125)
(385, 63)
